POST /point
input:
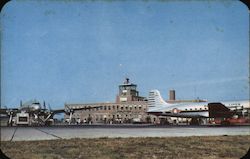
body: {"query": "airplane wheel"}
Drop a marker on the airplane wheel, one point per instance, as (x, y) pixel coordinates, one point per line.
(194, 121)
(9, 124)
(47, 123)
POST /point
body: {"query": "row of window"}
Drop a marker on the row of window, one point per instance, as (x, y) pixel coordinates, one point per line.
(113, 108)
(103, 116)
(196, 109)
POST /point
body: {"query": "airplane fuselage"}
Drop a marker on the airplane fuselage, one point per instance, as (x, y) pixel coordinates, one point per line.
(157, 106)
(31, 108)
(195, 109)
(182, 110)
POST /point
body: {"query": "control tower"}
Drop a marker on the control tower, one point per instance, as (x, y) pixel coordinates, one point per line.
(128, 93)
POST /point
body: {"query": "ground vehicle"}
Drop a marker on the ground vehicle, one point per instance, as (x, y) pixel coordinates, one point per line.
(22, 118)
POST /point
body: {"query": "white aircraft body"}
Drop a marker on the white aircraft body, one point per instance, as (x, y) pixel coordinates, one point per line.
(34, 109)
(157, 106)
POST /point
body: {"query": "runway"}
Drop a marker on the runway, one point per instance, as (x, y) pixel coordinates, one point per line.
(68, 132)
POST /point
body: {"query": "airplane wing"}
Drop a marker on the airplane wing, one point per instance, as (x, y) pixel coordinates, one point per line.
(182, 115)
(57, 111)
(8, 111)
(67, 109)
(3, 111)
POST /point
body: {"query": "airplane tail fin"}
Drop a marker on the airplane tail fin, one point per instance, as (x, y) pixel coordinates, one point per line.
(155, 99)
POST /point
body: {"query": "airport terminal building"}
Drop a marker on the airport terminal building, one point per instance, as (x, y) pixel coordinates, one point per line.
(129, 107)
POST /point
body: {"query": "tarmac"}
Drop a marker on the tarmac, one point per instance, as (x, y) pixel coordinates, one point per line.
(114, 131)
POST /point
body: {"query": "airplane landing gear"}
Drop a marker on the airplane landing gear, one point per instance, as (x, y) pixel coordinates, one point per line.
(48, 123)
(10, 123)
(195, 121)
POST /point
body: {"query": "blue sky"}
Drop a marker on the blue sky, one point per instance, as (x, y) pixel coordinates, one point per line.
(79, 52)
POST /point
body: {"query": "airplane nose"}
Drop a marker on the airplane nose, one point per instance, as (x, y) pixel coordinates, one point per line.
(36, 107)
